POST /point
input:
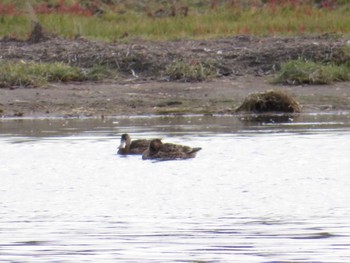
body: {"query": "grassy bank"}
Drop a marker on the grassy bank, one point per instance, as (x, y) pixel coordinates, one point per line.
(300, 71)
(297, 72)
(30, 74)
(157, 22)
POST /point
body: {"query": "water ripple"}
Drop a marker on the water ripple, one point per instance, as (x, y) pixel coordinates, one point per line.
(257, 192)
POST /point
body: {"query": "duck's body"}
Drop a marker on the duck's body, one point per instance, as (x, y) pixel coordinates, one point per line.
(132, 147)
(168, 151)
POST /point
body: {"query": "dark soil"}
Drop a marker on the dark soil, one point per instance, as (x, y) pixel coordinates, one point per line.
(243, 65)
(234, 56)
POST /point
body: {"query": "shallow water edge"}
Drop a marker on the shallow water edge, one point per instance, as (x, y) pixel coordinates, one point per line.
(174, 124)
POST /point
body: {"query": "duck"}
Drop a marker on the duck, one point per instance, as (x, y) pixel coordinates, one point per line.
(132, 147)
(157, 150)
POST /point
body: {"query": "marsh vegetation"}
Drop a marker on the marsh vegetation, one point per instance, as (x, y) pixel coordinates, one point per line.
(171, 20)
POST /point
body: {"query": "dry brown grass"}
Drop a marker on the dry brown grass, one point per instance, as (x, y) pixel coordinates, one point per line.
(270, 101)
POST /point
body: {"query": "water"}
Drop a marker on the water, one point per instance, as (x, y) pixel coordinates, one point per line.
(257, 192)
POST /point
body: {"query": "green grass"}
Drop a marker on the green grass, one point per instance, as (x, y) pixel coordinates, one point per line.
(189, 72)
(30, 74)
(15, 26)
(342, 56)
(308, 72)
(199, 24)
(99, 72)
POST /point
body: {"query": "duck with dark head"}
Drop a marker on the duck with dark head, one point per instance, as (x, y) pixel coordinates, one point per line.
(157, 150)
(132, 147)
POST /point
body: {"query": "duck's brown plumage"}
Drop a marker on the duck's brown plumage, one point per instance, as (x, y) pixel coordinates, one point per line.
(132, 147)
(168, 151)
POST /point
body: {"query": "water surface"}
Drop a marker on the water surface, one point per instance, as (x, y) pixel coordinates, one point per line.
(257, 192)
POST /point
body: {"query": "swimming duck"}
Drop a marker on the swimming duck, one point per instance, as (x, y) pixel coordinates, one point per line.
(168, 151)
(132, 147)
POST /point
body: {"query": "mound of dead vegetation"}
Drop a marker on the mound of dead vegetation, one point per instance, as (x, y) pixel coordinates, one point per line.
(270, 101)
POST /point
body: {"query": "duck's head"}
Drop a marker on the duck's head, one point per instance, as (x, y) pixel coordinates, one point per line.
(124, 141)
(155, 145)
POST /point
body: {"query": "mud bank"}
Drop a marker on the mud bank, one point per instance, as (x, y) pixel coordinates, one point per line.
(243, 65)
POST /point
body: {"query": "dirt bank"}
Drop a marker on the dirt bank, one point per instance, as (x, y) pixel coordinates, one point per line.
(243, 65)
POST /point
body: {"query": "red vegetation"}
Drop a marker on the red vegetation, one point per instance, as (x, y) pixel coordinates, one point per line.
(8, 9)
(88, 8)
(62, 8)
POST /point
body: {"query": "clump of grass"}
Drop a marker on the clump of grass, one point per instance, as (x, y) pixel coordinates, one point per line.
(30, 74)
(270, 101)
(189, 72)
(298, 72)
(16, 74)
(342, 56)
(99, 72)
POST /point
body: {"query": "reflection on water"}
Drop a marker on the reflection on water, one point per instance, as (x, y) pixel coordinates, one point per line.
(174, 124)
(257, 192)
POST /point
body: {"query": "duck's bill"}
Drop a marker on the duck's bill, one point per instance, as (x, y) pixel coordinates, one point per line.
(122, 144)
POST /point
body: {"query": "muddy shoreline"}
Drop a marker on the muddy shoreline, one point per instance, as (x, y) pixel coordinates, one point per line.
(244, 65)
(112, 99)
